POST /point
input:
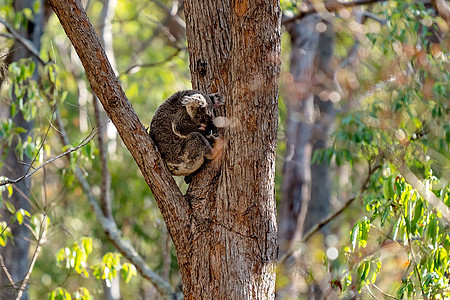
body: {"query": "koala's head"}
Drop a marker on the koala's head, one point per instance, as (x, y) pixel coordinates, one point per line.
(200, 107)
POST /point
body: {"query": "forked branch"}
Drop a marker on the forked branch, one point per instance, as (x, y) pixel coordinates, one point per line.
(106, 86)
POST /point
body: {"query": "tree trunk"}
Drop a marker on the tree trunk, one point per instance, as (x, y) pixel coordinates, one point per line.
(15, 255)
(234, 49)
(306, 187)
(311, 51)
(224, 228)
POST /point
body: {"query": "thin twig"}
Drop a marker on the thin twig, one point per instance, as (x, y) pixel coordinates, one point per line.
(25, 42)
(5, 269)
(41, 240)
(149, 65)
(416, 270)
(83, 143)
(34, 158)
(371, 15)
(386, 295)
(9, 224)
(330, 217)
(370, 292)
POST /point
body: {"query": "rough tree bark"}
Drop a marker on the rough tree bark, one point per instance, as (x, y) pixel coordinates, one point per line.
(224, 228)
(234, 49)
(16, 256)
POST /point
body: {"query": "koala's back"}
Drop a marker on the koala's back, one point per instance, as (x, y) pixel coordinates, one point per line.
(161, 125)
(174, 147)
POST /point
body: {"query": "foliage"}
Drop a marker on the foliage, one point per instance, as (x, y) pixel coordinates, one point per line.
(62, 294)
(56, 192)
(76, 258)
(400, 127)
(394, 113)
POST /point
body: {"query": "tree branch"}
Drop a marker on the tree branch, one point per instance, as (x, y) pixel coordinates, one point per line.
(105, 195)
(83, 143)
(421, 188)
(25, 42)
(5, 269)
(41, 239)
(329, 6)
(132, 68)
(335, 214)
(106, 86)
(386, 295)
(110, 228)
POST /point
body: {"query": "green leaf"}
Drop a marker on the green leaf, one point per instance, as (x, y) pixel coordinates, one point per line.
(10, 207)
(128, 271)
(21, 213)
(440, 260)
(10, 192)
(12, 109)
(52, 73)
(6, 233)
(83, 294)
(36, 6)
(360, 233)
(446, 243)
(87, 245)
(59, 294)
(403, 288)
(97, 271)
(19, 130)
(363, 273)
(418, 212)
(432, 232)
(19, 217)
(28, 13)
(388, 188)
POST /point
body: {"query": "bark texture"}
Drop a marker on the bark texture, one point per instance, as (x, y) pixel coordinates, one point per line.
(224, 228)
(234, 49)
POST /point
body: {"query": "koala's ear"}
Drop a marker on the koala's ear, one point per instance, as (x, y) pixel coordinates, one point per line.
(194, 101)
(217, 100)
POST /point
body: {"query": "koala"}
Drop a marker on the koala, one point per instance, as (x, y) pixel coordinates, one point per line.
(183, 130)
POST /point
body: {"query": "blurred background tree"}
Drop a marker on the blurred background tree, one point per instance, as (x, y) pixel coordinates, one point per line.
(363, 161)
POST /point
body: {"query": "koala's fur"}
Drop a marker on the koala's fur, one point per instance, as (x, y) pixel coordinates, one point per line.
(183, 130)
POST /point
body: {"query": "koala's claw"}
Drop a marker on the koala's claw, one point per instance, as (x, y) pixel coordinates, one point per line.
(212, 135)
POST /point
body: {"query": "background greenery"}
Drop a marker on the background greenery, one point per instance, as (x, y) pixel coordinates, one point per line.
(392, 121)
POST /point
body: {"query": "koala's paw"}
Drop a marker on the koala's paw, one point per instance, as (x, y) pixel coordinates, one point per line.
(212, 135)
(217, 148)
